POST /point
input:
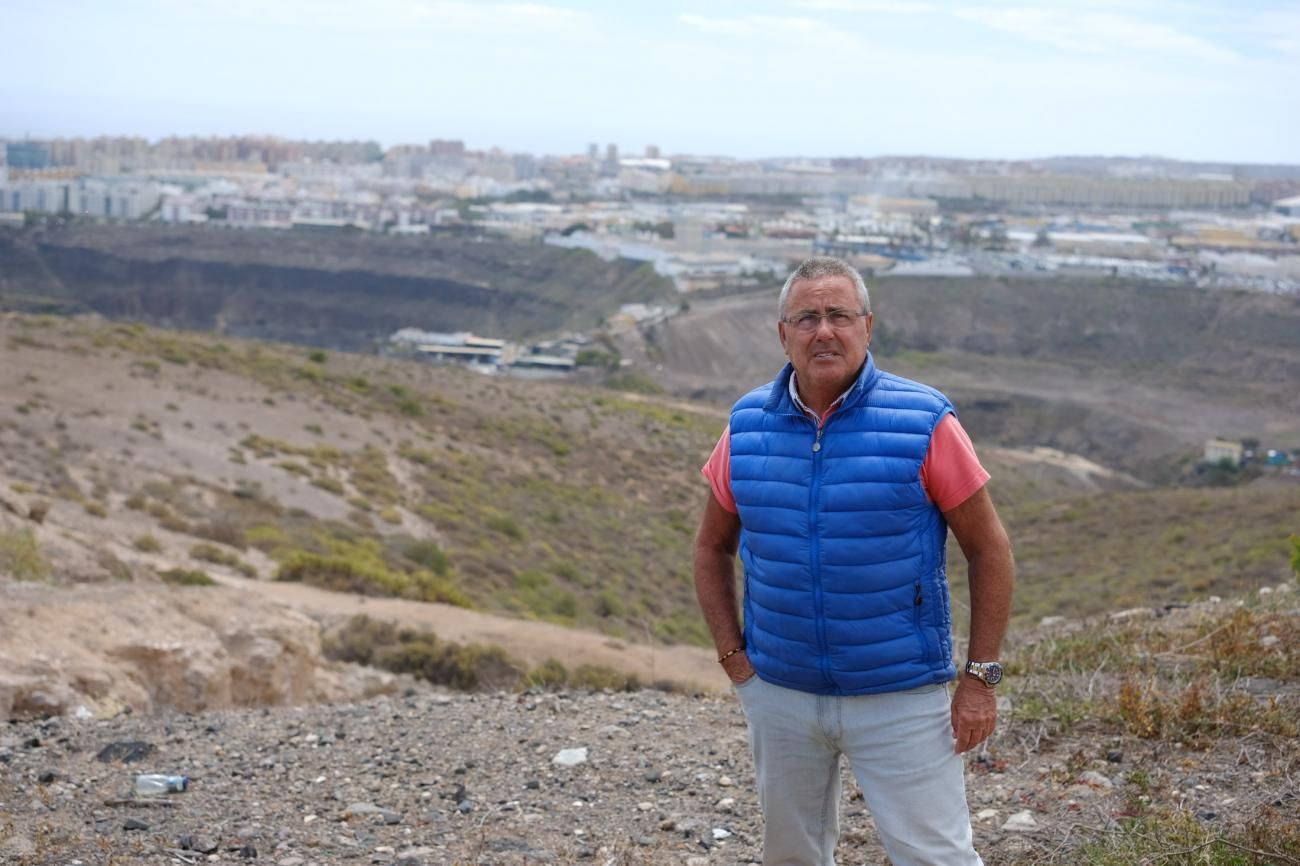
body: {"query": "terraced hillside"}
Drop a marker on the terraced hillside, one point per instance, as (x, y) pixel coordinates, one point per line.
(346, 292)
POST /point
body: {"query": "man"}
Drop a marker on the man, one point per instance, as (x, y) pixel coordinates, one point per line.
(837, 482)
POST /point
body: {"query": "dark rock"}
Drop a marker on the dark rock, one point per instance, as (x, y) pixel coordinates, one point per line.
(392, 818)
(32, 743)
(248, 852)
(46, 778)
(127, 752)
(654, 776)
(465, 807)
(1207, 816)
(201, 844)
(585, 853)
(532, 784)
(1115, 756)
(135, 824)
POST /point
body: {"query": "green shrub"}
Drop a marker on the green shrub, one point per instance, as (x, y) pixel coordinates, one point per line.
(329, 485)
(358, 639)
(609, 603)
(21, 557)
(427, 554)
(217, 556)
(147, 544)
(505, 525)
(359, 567)
(467, 667)
(599, 677)
(550, 674)
(186, 577)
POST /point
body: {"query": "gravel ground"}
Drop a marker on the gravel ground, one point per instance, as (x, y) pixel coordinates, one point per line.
(432, 778)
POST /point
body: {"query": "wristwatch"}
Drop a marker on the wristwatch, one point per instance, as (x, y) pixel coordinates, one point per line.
(989, 672)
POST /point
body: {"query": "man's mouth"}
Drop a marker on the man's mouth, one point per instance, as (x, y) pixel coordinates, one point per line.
(824, 356)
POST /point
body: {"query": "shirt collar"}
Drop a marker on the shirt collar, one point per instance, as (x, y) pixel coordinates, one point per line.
(794, 395)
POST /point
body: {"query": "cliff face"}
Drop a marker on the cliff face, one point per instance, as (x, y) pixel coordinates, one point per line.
(345, 293)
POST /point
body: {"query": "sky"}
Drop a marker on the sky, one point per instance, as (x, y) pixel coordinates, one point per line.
(1215, 80)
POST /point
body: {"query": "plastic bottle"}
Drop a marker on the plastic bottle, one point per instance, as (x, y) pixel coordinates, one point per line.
(149, 784)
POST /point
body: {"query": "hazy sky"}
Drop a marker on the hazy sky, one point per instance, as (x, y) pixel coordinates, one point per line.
(1191, 80)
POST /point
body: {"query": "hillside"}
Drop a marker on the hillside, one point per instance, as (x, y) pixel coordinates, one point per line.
(1133, 376)
(348, 293)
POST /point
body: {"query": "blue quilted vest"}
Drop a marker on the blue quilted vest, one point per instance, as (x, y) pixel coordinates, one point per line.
(846, 591)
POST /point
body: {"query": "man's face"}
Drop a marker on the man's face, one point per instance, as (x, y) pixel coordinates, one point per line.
(825, 358)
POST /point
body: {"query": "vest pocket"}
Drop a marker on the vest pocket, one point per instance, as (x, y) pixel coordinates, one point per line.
(918, 621)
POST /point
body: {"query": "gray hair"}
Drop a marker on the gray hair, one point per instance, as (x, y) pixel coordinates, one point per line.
(824, 266)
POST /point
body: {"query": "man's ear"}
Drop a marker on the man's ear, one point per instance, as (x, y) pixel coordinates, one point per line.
(780, 332)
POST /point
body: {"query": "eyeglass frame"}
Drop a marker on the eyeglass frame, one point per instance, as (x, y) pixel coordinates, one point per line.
(824, 317)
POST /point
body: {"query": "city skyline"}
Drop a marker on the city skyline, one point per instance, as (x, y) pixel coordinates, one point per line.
(818, 78)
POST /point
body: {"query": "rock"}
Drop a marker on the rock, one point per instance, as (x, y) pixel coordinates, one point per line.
(986, 814)
(1021, 822)
(126, 752)
(1133, 613)
(725, 782)
(291, 861)
(1049, 621)
(645, 806)
(47, 777)
(1269, 640)
(201, 844)
(720, 834)
(726, 804)
(18, 847)
(357, 809)
(612, 731)
(134, 824)
(391, 818)
(1096, 780)
(1115, 756)
(570, 757)
(248, 852)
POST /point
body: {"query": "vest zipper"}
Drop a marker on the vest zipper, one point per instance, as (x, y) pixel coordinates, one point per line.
(814, 539)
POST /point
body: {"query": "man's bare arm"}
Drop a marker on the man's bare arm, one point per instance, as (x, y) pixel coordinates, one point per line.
(715, 584)
(991, 570)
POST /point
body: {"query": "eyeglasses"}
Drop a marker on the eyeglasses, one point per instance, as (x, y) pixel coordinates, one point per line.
(808, 321)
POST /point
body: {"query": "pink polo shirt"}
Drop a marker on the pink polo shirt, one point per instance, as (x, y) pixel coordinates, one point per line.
(950, 473)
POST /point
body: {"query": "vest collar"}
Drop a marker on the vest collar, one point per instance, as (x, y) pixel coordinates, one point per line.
(779, 401)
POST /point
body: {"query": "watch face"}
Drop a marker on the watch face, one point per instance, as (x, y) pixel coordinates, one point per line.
(989, 672)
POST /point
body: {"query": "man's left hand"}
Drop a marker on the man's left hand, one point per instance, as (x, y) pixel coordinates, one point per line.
(974, 712)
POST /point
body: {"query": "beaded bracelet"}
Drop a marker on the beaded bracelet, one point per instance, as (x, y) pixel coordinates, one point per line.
(728, 655)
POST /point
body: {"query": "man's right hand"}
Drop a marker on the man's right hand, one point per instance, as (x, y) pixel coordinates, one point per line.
(738, 667)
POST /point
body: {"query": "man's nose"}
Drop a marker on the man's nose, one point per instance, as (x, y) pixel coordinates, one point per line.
(823, 324)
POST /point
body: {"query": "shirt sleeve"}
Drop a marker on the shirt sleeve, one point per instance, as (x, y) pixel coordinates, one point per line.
(718, 471)
(951, 472)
